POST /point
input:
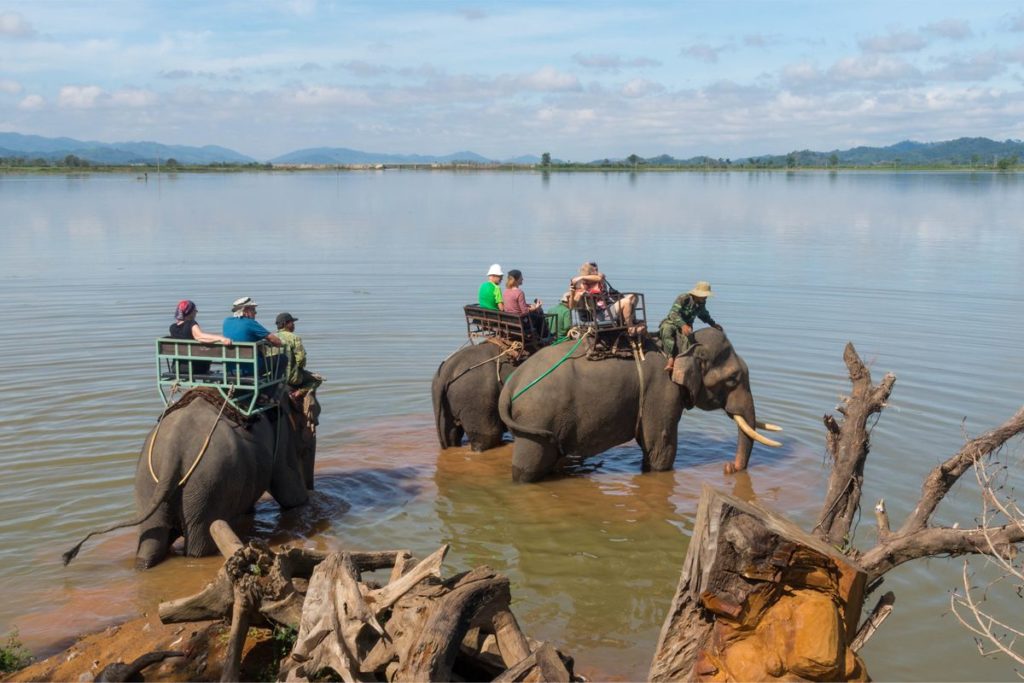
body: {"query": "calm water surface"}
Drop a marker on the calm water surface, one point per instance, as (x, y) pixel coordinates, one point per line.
(921, 271)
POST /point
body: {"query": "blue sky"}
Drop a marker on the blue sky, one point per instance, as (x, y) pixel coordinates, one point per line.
(581, 80)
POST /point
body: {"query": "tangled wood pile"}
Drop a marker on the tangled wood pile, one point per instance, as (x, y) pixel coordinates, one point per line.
(416, 627)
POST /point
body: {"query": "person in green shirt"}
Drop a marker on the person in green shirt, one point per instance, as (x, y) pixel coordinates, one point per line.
(489, 295)
(563, 317)
(678, 324)
(300, 381)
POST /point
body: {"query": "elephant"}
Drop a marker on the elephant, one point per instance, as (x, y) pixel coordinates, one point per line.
(584, 407)
(465, 395)
(198, 465)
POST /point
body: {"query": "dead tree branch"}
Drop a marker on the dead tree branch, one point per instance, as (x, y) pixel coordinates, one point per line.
(848, 444)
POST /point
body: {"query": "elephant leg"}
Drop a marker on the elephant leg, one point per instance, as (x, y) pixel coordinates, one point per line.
(154, 542)
(532, 458)
(199, 542)
(453, 435)
(485, 441)
(659, 441)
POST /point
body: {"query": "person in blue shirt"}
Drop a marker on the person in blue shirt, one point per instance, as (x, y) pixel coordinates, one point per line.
(242, 325)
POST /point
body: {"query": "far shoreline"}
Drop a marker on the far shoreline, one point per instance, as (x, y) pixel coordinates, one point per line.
(144, 171)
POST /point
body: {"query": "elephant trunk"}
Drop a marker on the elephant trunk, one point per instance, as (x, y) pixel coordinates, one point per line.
(743, 416)
(740, 407)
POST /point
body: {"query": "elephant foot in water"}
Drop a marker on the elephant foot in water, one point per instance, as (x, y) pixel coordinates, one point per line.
(532, 459)
(485, 442)
(153, 546)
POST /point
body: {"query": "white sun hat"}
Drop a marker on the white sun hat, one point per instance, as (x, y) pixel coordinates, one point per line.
(495, 269)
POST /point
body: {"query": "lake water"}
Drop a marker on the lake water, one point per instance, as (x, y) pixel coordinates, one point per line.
(922, 271)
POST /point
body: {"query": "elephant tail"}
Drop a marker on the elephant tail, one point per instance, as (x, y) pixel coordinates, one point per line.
(167, 485)
(505, 412)
(439, 397)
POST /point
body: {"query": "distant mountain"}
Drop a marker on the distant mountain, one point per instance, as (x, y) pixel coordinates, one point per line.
(35, 146)
(954, 152)
(525, 159)
(343, 155)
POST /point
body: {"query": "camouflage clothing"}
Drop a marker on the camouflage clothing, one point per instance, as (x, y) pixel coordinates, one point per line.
(296, 375)
(684, 311)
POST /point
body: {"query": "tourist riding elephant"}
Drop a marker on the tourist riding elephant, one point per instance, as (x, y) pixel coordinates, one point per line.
(584, 407)
(200, 464)
(465, 396)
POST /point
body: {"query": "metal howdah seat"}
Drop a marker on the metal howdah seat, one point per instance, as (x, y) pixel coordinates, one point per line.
(245, 374)
(593, 311)
(483, 323)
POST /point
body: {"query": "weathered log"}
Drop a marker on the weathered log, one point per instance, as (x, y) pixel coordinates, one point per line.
(224, 536)
(544, 664)
(333, 618)
(432, 656)
(241, 615)
(212, 602)
(881, 612)
(385, 597)
(748, 566)
(512, 643)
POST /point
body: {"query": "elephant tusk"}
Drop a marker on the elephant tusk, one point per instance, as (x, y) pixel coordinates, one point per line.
(768, 426)
(745, 428)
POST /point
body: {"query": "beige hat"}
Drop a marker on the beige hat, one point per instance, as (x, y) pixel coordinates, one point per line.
(701, 289)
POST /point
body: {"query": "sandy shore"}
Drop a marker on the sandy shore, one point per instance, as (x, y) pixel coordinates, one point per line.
(202, 643)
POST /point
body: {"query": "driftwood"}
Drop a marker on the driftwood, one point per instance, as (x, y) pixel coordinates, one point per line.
(755, 594)
(759, 598)
(417, 627)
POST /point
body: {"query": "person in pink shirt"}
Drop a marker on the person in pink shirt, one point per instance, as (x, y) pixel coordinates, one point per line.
(515, 301)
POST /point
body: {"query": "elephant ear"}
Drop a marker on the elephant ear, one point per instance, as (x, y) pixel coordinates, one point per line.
(688, 374)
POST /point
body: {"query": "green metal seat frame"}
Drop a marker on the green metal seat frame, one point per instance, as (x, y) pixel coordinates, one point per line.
(241, 373)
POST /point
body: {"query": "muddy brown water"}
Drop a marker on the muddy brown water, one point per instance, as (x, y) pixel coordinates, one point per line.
(920, 271)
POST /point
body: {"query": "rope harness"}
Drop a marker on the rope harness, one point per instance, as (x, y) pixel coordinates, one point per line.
(555, 366)
(512, 349)
(188, 398)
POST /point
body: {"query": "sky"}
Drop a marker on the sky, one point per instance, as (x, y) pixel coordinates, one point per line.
(579, 80)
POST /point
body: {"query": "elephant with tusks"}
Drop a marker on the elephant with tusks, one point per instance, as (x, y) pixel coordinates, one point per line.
(583, 407)
(201, 462)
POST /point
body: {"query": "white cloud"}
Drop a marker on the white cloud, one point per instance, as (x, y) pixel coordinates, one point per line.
(318, 96)
(14, 25)
(894, 41)
(639, 87)
(975, 68)
(954, 29)
(32, 103)
(873, 68)
(9, 87)
(79, 96)
(549, 79)
(703, 52)
(1016, 22)
(611, 62)
(133, 98)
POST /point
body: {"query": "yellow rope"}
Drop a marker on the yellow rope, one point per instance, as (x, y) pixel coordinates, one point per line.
(206, 443)
(202, 451)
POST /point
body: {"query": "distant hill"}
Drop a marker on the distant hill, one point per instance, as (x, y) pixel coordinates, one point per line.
(962, 151)
(51, 149)
(343, 155)
(976, 152)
